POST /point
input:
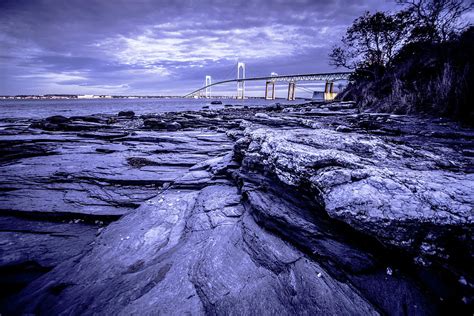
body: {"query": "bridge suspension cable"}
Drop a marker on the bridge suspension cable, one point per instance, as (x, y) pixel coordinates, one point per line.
(305, 89)
(230, 73)
(227, 73)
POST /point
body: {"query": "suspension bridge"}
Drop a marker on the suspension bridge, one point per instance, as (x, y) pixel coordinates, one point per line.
(270, 82)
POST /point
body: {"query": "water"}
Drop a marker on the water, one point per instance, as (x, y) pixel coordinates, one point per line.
(79, 107)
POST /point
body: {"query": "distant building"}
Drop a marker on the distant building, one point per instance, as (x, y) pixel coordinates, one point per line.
(59, 96)
(92, 96)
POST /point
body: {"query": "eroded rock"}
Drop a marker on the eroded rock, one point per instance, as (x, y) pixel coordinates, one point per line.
(243, 211)
(397, 193)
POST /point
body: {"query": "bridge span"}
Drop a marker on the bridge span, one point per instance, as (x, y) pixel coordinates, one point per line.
(271, 80)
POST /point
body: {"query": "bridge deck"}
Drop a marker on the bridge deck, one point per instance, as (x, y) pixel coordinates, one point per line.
(330, 76)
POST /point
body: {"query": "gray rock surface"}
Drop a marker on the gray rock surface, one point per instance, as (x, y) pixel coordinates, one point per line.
(401, 194)
(303, 210)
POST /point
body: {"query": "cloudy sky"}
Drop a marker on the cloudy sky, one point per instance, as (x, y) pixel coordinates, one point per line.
(163, 47)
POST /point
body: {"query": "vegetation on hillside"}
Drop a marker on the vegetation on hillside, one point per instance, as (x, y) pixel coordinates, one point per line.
(417, 60)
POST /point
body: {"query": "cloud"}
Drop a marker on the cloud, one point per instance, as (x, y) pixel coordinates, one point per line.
(146, 46)
(195, 49)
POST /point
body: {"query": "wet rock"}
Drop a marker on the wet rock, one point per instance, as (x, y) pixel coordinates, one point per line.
(209, 114)
(60, 123)
(57, 119)
(158, 124)
(128, 114)
(154, 123)
(275, 107)
(90, 118)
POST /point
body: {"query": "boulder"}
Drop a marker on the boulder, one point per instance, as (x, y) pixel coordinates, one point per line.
(128, 114)
(173, 126)
(154, 123)
(57, 119)
(274, 107)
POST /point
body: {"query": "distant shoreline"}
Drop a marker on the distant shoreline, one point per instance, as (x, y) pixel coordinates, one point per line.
(102, 97)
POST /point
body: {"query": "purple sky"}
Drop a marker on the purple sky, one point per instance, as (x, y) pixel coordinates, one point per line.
(163, 47)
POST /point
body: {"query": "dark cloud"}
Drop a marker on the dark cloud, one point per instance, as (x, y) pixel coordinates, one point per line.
(154, 47)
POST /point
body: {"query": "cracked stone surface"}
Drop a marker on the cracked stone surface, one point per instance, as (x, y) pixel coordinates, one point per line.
(309, 209)
(378, 187)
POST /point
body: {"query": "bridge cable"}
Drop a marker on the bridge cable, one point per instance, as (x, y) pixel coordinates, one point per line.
(228, 71)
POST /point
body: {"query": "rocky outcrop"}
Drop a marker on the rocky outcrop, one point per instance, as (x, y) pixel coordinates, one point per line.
(301, 210)
(396, 192)
(191, 252)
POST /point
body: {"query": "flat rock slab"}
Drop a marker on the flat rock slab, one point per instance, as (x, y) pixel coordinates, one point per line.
(94, 172)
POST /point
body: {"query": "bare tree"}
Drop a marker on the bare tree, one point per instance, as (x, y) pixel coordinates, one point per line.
(436, 20)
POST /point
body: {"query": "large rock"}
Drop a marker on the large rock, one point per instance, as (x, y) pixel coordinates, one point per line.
(128, 114)
(57, 119)
(403, 195)
(158, 124)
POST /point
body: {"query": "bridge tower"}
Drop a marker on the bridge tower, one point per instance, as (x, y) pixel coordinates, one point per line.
(208, 89)
(240, 84)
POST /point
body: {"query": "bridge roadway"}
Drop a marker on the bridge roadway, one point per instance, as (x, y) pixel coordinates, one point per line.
(328, 77)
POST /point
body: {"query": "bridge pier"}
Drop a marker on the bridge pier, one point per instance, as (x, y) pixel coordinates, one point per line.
(329, 94)
(291, 91)
(270, 84)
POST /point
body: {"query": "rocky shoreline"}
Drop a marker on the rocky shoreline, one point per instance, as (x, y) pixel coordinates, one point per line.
(308, 209)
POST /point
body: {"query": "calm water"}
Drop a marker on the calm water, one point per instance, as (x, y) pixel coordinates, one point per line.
(45, 108)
